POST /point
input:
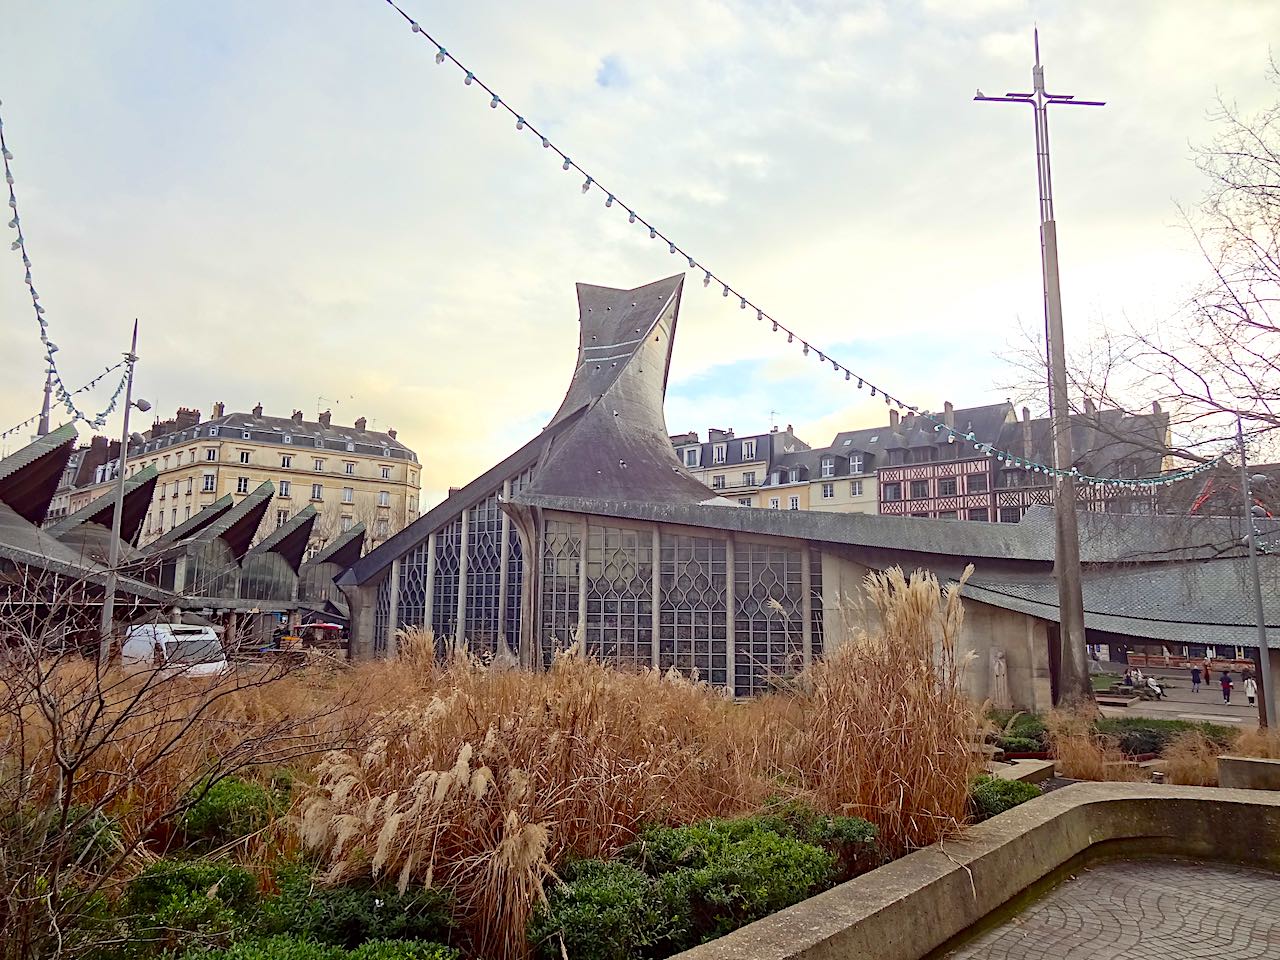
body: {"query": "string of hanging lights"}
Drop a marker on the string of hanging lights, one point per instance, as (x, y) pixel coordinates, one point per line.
(62, 394)
(17, 427)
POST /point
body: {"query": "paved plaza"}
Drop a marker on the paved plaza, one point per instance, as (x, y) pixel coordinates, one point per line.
(1144, 910)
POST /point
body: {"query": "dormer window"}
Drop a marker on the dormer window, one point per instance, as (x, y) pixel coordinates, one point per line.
(691, 456)
(719, 452)
(855, 463)
(795, 474)
(748, 449)
(828, 467)
(288, 438)
(213, 431)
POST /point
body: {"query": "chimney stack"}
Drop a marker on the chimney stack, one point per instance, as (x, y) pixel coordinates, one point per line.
(948, 414)
(1155, 406)
(893, 419)
(1026, 432)
(297, 416)
(186, 417)
(257, 411)
(361, 423)
(1089, 407)
(391, 432)
(326, 418)
(219, 410)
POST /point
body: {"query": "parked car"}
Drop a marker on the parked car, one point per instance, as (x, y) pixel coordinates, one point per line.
(191, 650)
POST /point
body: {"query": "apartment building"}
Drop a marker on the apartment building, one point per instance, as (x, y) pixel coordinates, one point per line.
(349, 474)
(735, 467)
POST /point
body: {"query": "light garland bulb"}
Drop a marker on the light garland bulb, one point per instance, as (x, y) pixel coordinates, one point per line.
(691, 263)
(609, 200)
(8, 155)
(586, 185)
(519, 123)
(706, 281)
(631, 216)
(742, 304)
(468, 78)
(671, 248)
(17, 244)
(759, 315)
(847, 374)
(806, 350)
(873, 390)
(14, 222)
(775, 326)
(493, 104)
(441, 54)
(859, 383)
(790, 336)
(653, 233)
(413, 25)
(726, 290)
(545, 143)
(567, 164)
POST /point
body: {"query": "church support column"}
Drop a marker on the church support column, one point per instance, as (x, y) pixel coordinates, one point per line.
(459, 633)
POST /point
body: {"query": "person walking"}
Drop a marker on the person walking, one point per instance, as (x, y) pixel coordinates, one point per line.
(1195, 679)
(1226, 687)
(1251, 690)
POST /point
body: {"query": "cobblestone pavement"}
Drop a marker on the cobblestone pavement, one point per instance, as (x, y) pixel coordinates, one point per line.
(1144, 910)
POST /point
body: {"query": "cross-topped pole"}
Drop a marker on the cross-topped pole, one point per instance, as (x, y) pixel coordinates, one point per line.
(1074, 685)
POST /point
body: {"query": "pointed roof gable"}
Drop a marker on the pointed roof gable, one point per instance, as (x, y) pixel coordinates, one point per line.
(237, 526)
(193, 525)
(138, 490)
(344, 549)
(29, 477)
(621, 449)
(290, 538)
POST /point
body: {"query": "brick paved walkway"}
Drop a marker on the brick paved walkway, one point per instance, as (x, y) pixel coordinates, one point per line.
(1144, 910)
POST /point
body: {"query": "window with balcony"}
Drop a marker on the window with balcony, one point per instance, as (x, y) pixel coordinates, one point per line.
(891, 491)
(749, 478)
(384, 498)
(242, 484)
(748, 449)
(717, 482)
(348, 495)
(719, 452)
(828, 491)
(855, 488)
(919, 489)
(794, 504)
(210, 483)
(975, 483)
(947, 487)
(317, 491)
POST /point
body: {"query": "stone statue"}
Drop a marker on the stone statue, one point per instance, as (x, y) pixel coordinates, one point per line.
(1000, 681)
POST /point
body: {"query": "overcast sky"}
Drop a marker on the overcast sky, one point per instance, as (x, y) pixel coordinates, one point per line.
(298, 203)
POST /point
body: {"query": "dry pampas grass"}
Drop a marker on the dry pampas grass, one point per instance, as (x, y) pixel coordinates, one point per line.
(1081, 753)
(1192, 758)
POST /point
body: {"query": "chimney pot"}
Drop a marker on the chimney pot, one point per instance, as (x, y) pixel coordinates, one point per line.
(297, 416)
(1026, 414)
(326, 418)
(219, 409)
(948, 413)
(893, 419)
(257, 411)
(391, 432)
(361, 423)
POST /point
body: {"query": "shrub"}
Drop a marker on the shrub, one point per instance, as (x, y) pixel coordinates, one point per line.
(1081, 752)
(228, 810)
(606, 910)
(1192, 758)
(174, 903)
(1019, 745)
(299, 948)
(1264, 744)
(1019, 732)
(1139, 735)
(351, 914)
(992, 795)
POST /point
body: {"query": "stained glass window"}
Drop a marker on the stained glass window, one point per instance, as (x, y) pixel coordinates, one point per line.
(561, 556)
(620, 595)
(768, 616)
(692, 634)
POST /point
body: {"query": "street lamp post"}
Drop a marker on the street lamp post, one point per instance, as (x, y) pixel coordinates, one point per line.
(1073, 683)
(113, 561)
(1267, 704)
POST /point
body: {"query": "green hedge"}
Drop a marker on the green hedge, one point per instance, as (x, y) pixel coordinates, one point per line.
(677, 887)
(299, 948)
(991, 795)
(351, 914)
(174, 902)
(228, 810)
(1138, 735)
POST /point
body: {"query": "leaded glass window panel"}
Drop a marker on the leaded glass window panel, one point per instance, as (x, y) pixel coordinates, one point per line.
(561, 559)
(815, 603)
(620, 595)
(411, 604)
(515, 574)
(444, 595)
(382, 615)
(692, 635)
(768, 616)
(484, 575)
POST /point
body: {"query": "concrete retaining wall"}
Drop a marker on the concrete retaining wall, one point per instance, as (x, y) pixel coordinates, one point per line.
(1249, 773)
(910, 907)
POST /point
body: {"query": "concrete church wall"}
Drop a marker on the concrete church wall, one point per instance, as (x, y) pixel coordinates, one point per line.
(987, 629)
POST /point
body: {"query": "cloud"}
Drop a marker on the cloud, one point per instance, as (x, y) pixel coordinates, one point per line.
(297, 202)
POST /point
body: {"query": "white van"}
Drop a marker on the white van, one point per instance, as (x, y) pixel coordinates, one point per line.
(191, 650)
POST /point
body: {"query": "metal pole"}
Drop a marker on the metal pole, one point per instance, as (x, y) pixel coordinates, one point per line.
(1073, 682)
(109, 598)
(1267, 702)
